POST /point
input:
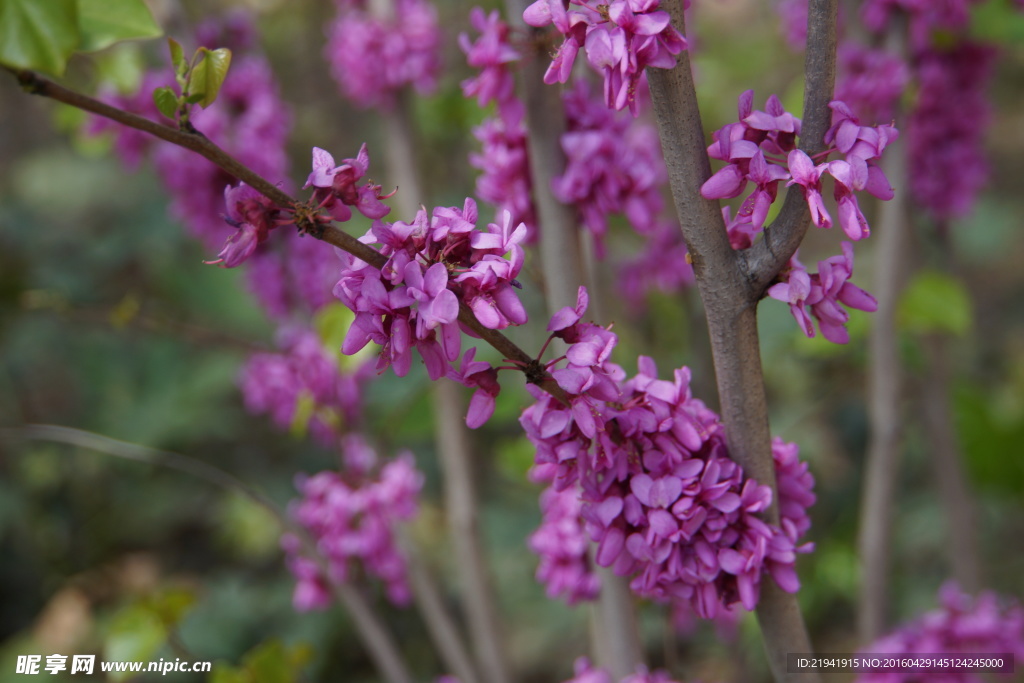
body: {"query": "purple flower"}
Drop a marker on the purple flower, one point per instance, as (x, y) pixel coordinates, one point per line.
(614, 165)
(506, 181)
(871, 80)
(335, 187)
(352, 519)
(373, 58)
(491, 54)
(621, 39)
(561, 544)
(808, 177)
(661, 498)
(818, 295)
(961, 624)
(275, 383)
(948, 165)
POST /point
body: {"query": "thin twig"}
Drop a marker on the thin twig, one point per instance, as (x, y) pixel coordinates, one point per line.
(766, 258)
(37, 85)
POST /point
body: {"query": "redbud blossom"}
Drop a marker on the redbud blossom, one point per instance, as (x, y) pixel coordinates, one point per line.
(661, 497)
(352, 518)
(621, 39)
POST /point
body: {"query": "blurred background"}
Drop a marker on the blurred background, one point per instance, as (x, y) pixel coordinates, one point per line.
(111, 323)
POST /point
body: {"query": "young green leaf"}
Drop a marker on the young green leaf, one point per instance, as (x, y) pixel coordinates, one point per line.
(103, 22)
(209, 73)
(177, 57)
(935, 302)
(38, 35)
(166, 101)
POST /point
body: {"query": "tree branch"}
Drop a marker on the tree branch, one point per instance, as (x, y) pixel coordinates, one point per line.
(730, 303)
(200, 144)
(768, 256)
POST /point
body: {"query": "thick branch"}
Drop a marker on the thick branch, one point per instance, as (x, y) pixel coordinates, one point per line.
(730, 306)
(768, 256)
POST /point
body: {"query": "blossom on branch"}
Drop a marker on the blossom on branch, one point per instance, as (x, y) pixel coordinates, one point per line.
(818, 295)
(661, 497)
(351, 517)
(621, 39)
(373, 58)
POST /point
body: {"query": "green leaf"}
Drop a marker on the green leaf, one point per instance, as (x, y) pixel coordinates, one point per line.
(166, 101)
(177, 57)
(305, 409)
(104, 22)
(209, 74)
(171, 605)
(272, 662)
(135, 635)
(935, 302)
(38, 35)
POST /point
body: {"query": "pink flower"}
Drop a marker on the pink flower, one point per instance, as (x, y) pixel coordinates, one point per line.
(372, 58)
(818, 295)
(491, 53)
(336, 186)
(621, 39)
(808, 177)
(352, 520)
(561, 543)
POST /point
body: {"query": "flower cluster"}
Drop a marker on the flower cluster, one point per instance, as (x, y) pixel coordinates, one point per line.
(946, 156)
(336, 188)
(433, 264)
(302, 270)
(585, 672)
(613, 165)
(504, 162)
(621, 39)
(961, 625)
(373, 57)
(818, 295)
(946, 144)
(661, 497)
(873, 80)
(492, 54)
(352, 523)
(561, 543)
(505, 165)
(924, 18)
(761, 149)
(280, 383)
